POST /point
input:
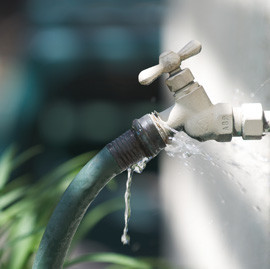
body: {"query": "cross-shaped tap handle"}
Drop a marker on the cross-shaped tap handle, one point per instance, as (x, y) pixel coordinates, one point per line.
(168, 62)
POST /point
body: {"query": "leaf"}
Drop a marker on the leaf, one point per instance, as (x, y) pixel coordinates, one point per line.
(70, 165)
(159, 263)
(21, 237)
(26, 155)
(6, 165)
(18, 182)
(153, 262)
(113, 258)
(46, 192)
(26, 208)
(22, 250)
(49, 180)
(11, 197)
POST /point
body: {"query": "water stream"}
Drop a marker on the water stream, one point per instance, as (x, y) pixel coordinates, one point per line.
(137, 168)
(125, 237)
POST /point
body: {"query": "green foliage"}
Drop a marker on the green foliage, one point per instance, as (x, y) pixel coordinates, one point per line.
(116, 259)
(119, 261)
(25, 208)
(6, 165)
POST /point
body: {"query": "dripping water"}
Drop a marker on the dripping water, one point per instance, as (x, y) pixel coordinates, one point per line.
(125, 237)
(137, 168)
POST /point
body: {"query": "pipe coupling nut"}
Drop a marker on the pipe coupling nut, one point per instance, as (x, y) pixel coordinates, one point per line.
(248, 121)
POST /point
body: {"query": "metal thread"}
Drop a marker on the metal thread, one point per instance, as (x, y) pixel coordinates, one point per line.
(142, 140)
(126, 149)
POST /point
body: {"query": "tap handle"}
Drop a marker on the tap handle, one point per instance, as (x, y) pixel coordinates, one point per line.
(190, 49)
(168, 62)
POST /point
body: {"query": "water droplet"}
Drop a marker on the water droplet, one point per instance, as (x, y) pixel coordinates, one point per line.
(139, 167)
(186, 154)
(243, 190)
(257, 208)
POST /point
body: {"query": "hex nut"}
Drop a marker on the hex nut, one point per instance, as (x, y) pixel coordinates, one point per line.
(252, 121)
(179, 80)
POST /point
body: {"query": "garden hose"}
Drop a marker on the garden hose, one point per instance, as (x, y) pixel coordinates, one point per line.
(142, 140)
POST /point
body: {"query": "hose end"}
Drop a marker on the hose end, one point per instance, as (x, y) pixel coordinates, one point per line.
(142, 140)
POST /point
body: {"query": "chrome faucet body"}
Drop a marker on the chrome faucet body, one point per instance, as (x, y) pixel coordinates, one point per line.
(193, 112)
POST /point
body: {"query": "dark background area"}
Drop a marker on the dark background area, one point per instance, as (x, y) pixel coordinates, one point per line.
(68, 82)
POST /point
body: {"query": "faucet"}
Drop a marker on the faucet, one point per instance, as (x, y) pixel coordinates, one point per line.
(192, 113)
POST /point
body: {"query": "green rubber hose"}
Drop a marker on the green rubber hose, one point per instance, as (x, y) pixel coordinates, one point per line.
(142, 140)
(71, 209)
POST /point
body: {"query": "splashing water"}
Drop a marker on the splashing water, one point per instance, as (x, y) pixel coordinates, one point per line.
(183, 147)
(241, 96)
(258, 89)
(137, 168)
(236, 168)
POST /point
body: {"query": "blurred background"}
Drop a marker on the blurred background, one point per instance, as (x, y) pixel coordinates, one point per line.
(68, 82)
(216, 204)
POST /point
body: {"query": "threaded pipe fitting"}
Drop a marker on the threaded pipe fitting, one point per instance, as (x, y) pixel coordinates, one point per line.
(142, 140)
